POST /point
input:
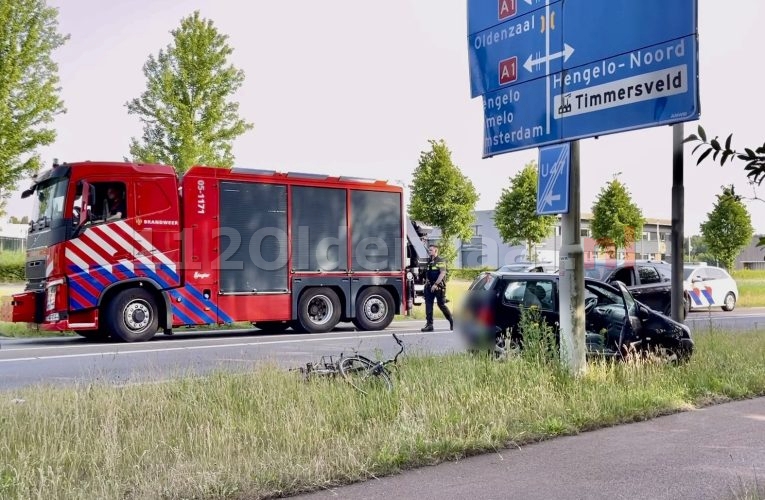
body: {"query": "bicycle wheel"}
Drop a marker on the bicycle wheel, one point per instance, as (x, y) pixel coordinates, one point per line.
(365, 375)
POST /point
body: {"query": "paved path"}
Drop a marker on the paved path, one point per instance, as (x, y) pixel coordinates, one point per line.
(712, 453)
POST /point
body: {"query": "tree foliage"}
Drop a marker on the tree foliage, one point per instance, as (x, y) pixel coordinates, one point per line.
(186, 111)
(443, 197)
(515, 214)
(753, 157)
(616, 220)
(728, 228)
(700, 250)
(29, 92)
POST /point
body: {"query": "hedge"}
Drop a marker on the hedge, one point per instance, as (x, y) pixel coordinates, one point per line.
(468, 274)
(11, 272)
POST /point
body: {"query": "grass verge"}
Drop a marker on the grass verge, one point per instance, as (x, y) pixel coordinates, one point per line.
(267, 433)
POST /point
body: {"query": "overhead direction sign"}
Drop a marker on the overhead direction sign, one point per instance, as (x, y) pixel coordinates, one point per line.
(553, 179)
(604, 97)
(483, 14)
(563, 70)
(524, 41)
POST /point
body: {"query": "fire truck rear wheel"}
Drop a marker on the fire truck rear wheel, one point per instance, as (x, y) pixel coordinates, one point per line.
(319, 310)
(132, 315)
(374, 309)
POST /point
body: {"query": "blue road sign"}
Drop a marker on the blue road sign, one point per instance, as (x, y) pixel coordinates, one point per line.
(557, 71)
(594, 30)
(514, 51)
(483, 14)
(553, 179)
(614, 95)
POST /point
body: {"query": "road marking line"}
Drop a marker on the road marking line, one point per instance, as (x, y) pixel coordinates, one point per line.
(199, 347)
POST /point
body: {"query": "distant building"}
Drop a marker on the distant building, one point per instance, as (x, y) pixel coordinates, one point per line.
(13, 237)
(486, 248)
(752, 257)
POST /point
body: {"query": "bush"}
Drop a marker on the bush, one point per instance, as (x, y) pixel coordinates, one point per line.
(12, 266)
(467, 274)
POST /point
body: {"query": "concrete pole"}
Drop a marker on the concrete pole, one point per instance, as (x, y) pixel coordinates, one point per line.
(572, 339)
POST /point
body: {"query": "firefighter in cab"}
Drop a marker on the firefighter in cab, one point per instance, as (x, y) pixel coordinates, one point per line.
(435, 289)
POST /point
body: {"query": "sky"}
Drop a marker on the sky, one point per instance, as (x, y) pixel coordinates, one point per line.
(351, 87)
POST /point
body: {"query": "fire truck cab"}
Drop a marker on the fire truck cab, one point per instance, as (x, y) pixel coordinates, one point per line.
(126, 250)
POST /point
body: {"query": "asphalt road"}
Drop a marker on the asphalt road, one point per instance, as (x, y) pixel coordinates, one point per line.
(713, 453)
(73, 360)
(751, 318)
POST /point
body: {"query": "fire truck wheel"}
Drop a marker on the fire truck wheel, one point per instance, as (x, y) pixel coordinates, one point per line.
(319, 310)
(374, 309)
(132, 315)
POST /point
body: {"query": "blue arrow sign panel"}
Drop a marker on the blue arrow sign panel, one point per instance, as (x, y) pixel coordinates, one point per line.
(484, 14)
(645, 87)
(515, 51)
(543, 38)
(553, 179)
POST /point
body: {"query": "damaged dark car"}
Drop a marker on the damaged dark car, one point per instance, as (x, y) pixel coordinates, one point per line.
(616, 324)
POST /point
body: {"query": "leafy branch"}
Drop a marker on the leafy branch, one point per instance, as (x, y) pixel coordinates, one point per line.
(754, 158)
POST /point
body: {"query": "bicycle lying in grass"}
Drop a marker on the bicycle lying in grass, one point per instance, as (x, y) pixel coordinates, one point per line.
(359, 371)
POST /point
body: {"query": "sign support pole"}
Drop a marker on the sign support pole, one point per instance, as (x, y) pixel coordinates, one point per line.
(678, 222)
(571, 270)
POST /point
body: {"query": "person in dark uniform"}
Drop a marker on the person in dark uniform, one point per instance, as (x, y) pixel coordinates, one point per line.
(116, 203)
(435, 289)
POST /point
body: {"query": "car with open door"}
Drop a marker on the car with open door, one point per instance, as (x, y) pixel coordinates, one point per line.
(616, 324)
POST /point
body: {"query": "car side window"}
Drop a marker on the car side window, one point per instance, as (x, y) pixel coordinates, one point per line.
(624, 275)
(604, 295)
(648, 274)
(530, 293)
(717, 274)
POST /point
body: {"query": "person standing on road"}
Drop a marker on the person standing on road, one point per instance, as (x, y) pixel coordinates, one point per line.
(435, 289)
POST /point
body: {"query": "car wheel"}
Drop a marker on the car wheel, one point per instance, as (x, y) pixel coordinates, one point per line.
(729, 302)
(683, 313)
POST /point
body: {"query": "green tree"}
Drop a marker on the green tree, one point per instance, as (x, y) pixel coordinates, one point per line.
(700, 250)
(515, 214)
(442, 196)
(728, 228)
(616, 220)
(29, 92)
(186, 111)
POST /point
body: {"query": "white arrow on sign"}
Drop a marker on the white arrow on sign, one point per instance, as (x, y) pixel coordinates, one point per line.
(550, 198)
(565, 54)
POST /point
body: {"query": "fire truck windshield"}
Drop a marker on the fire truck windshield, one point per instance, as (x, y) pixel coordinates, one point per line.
(49, 203)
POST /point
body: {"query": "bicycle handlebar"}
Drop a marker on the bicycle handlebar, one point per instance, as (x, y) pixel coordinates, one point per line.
(400, 344)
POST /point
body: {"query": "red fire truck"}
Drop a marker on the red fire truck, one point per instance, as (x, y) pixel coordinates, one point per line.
(127, 250)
